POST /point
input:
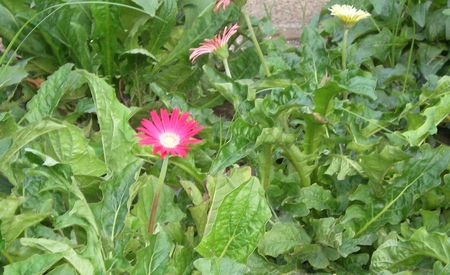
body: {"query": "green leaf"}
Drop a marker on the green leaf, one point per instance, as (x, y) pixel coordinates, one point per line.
(36, 264)
(316, 197)
(8, 125)
(69, 146)
(117, 135)
(22, 138)
(246, 65)
(314, 254)
(315, 58)
(419, 12)
(342, 166)
(181, 261)
(418, 175)
(233, 91)
(314, 130)
(239, 224)
(395, 255)
(430, 117)
(111, 211)
(221, 185)
(242, 142)
(45, 102)
(161, 28)
(206, 25)
(82, 265)
(168, 211)
(13, 224)
(282, 238)
(373, 46)
(154, 258)
(149, 7)
(107, 23)
(222, 266)
(377, 164)
(10, 75)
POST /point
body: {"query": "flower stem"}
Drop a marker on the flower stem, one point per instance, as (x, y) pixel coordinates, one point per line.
(227, 68)
(162, 175)
(344, 57)
(344, 50)
(255, 41)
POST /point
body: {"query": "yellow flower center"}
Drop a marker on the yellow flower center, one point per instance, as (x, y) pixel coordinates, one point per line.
(169, 140)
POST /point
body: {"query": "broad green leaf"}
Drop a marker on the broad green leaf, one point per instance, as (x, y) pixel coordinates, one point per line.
(314, 254)
(373, 46)
(242, 142)
(44, 103)
(259, 265)
(282, 238)
(239, 224)
(419, 12)
(418, 174)
(117, 135)
(233, 91)
(161, 27)
(10, 75)
(149, 7)
(433, 115)
(107, 23)
(206, 25)
(36, 264)
(14, 224)
(342, 166)
(395, 255)
(315, 58)
(246, 65)
(314, 130)
(181, 261)
(192, 191)
(316, 197)
(167, 210)
(8, 125)
(81, 264)
(111, 211)
(154, 258)
(77, 39)
(222, 266)
(430, 59)
(65, 269)
(377, 164)
(69, 146)
(22, 138)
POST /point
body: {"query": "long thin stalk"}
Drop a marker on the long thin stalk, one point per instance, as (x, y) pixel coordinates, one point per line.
(227, 68)
(344, 56)
(162, 175)
(255, 41)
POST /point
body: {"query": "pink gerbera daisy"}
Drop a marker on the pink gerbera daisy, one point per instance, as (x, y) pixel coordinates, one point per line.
(169, 134)
(221, 4)
(216, 45)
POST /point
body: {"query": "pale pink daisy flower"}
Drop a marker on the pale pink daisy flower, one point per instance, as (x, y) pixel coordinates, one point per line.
(169, 134)
(215, 45)
(221, 4)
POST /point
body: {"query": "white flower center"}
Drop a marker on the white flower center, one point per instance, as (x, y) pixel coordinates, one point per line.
(169, 140)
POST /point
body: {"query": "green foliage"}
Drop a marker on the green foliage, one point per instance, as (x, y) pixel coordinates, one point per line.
(311, 169)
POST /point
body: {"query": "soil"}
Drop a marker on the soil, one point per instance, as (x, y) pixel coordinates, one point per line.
(287, 15)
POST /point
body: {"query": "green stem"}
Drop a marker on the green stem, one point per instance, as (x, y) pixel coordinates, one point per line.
(255, 41)
(227, 68)
(267, 163)
(299, 168)
(344, 50)
(162, 175)
(344, 56)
